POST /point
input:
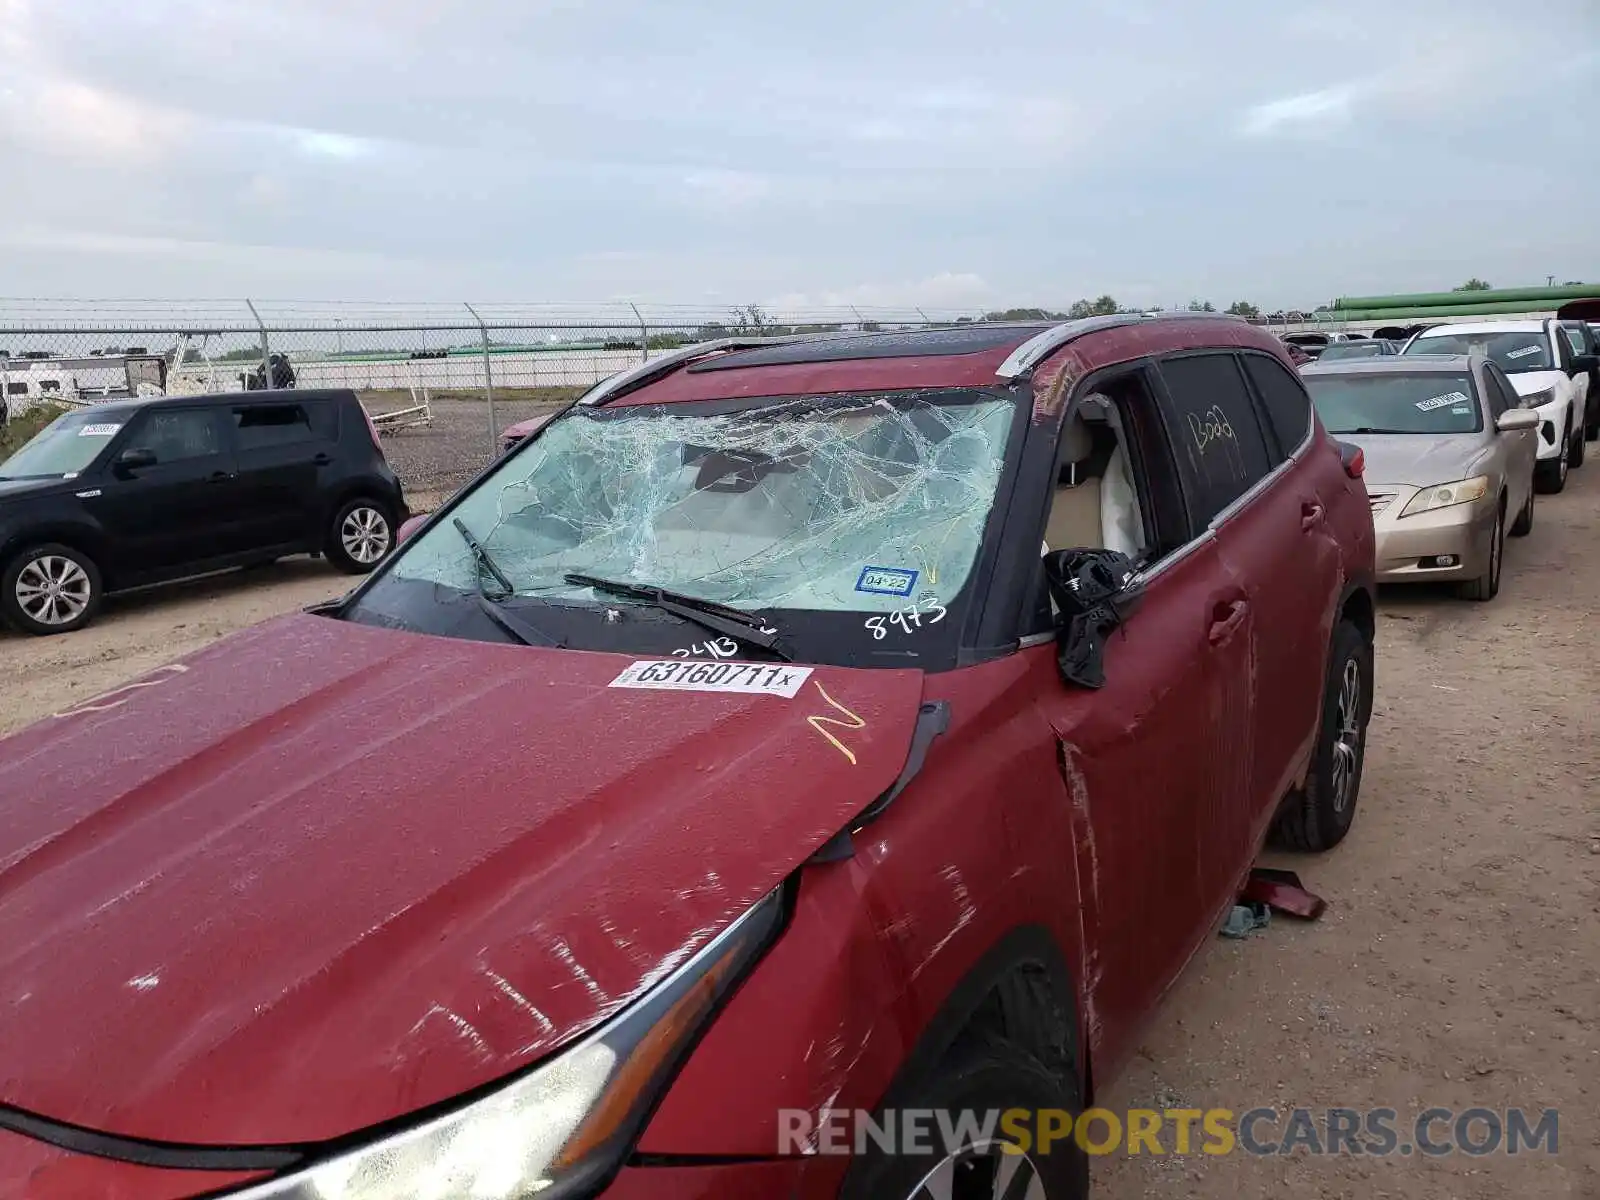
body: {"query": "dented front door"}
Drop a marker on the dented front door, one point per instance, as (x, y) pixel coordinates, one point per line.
(1147, 764)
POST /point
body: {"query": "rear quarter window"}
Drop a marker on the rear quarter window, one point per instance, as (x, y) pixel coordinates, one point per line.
(1284, 399)
(264, 425)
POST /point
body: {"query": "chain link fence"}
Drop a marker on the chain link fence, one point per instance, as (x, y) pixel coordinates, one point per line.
(441, 383)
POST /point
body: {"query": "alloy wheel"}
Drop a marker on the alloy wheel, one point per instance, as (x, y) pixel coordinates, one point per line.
(1347, 735)
(365, 535)
(983, 1171)
(53, 590)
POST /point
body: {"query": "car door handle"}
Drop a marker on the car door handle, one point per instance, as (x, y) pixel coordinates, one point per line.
(322, 460)
(1226, 619)
(219, 476)
(1311, 515)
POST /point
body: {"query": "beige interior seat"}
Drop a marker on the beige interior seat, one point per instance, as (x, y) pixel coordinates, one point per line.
(1075, 511)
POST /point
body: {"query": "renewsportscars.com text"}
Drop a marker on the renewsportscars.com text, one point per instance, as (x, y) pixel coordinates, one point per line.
(1263, 1132)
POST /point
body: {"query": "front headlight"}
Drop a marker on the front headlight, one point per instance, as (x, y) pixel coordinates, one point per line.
(1443, 495)
(1539, 399)
(561, 1129)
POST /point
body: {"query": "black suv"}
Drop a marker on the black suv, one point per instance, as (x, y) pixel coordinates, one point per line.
(138, 492)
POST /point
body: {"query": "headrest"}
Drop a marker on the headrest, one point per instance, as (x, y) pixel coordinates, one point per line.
(1077, 440)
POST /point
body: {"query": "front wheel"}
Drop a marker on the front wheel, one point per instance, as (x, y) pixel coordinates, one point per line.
(50, 589)
(361, 534)
(980, 1081)
(1318, 816)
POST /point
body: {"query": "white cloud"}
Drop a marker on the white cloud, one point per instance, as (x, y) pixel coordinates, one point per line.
(1308, 111)
(720, 189)
(66, 117)
(946, 290)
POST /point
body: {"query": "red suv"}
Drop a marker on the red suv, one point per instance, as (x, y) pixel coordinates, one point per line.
(866, 724)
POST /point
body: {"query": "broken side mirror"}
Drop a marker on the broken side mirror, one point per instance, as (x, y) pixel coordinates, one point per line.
(1095, 591)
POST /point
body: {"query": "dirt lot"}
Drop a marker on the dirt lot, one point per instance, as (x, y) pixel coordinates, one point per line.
(434, 461)
(1458, 964)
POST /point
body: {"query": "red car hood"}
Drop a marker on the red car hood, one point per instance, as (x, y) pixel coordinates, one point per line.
(321, 875)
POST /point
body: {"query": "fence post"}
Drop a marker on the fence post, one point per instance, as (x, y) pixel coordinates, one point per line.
(644, 334)
(488, 381)
(266, 349)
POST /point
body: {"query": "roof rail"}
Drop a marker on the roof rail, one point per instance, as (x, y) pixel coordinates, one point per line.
(635, 377)
(1039, 347)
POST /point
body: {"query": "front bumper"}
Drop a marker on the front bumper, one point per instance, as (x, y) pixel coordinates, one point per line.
(1409, 547)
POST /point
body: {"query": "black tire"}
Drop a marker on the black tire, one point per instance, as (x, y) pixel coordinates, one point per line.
(981, 1075)
(1579, 439)
(77, 579)
(1523, 525)
(1550, 475)
(1487, 585)
(1314, 818)
(358, 557)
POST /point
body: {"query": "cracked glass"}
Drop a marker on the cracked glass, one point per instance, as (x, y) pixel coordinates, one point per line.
(834, 504)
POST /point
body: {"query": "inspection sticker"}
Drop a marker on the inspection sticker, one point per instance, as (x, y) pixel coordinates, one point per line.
(682, 675)
(99, 431)
(1523, 353)
(887, 581)
(1444, 401)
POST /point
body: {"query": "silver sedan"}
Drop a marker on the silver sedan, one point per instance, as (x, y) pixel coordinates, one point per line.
(1449, 452)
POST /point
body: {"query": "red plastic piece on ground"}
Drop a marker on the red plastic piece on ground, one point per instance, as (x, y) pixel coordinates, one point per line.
(1283, 892)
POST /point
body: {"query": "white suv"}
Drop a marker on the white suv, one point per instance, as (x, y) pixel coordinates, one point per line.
(1547, 374)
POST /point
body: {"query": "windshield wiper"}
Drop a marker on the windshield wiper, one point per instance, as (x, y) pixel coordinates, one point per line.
(1369, 429)
(524, 631)
(482, 561)
(719, 618)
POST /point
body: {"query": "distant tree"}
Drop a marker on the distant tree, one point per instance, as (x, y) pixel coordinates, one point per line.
(1024, 314)
(750, 320)
(1201, 306)
(1575, 283)
(1103, 306)
(1473, 285)
(1243, 308)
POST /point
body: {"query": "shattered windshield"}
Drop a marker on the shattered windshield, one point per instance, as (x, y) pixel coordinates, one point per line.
(861, 506)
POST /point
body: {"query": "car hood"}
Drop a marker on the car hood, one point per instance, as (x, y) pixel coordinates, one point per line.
(17, 489)
(1417, 459)
(322, 875)
(1529, 382)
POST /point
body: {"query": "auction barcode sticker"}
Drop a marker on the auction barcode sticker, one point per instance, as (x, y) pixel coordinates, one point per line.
(103, 430)
(683, 675)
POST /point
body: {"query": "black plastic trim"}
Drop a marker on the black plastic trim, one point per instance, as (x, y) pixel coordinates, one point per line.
(169, 1155)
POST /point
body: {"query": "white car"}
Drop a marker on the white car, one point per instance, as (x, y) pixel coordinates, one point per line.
(1549, 377)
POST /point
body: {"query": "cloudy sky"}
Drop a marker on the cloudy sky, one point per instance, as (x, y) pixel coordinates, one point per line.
(943, 153)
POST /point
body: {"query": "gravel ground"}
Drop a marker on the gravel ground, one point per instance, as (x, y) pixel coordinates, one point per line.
(432, 462)
(1458, 963)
